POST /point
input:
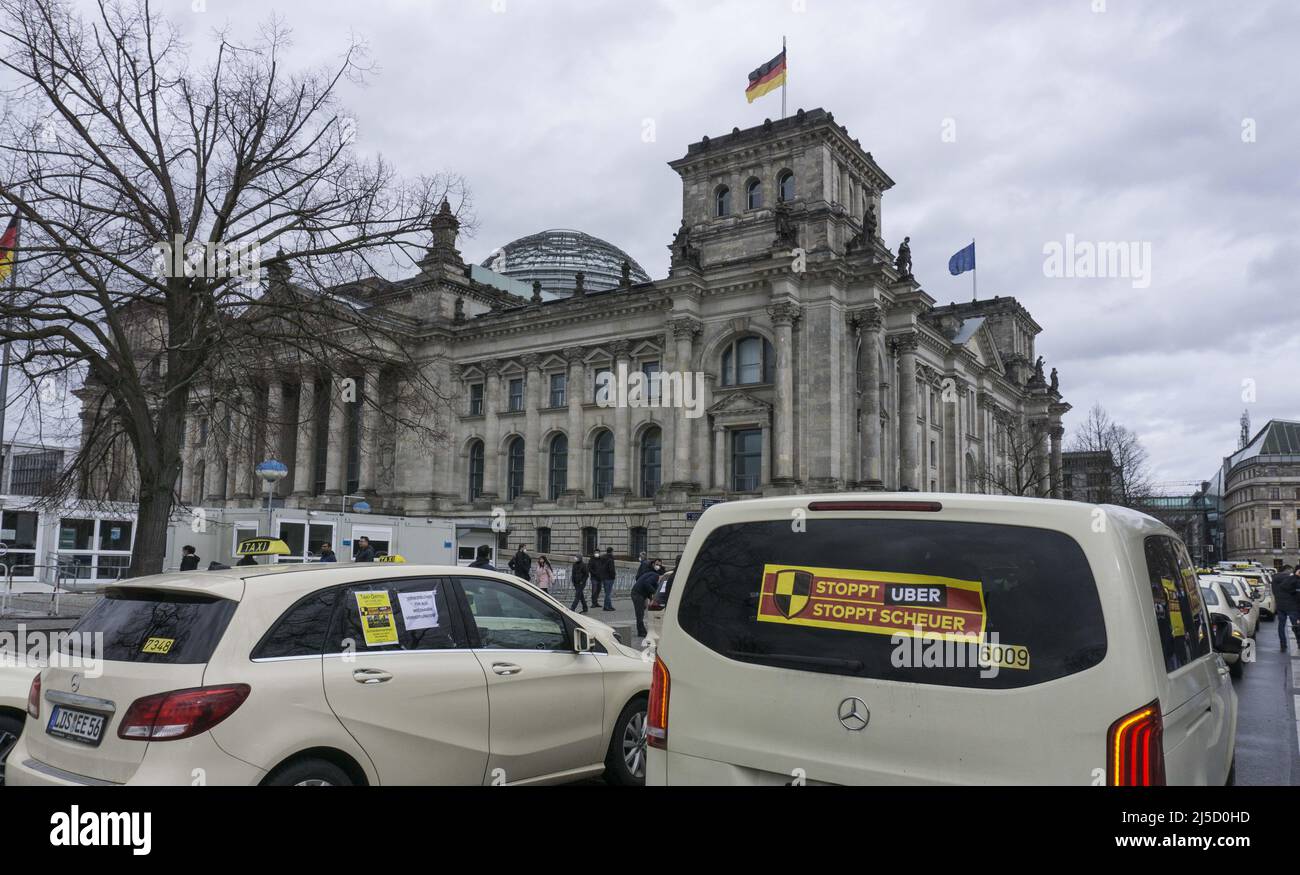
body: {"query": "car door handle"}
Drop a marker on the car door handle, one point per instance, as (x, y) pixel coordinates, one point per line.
(506, 668)
(370, 676)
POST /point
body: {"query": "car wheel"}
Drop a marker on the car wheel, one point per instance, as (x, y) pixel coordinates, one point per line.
(309, 773)
(1235, 669)
(625, 761)
(10, 729)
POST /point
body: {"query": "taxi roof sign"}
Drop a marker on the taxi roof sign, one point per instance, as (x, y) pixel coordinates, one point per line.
(396, 557)
(262, 547)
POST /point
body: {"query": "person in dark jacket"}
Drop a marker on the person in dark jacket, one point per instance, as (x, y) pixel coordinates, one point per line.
(607, 572)
(644, 564)
(647, 584)
(247, 560)
(1287, 603)
(327, 553)
(579, 574)
(483, 558)
(365, 552)
(189, 559)
(522, 563)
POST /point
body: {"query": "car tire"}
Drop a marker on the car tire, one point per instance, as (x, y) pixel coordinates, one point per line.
(625, 759)
(10, 728)
(1235, 669)
(309, 773)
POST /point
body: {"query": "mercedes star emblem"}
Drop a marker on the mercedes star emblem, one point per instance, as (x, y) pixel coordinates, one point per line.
(853, 714)
(76, 682)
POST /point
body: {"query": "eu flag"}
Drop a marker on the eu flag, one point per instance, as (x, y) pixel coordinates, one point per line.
(963, 260)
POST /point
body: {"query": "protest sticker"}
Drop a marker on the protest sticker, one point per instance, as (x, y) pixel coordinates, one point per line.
(875, 602)
(378, 624)
(419, 609)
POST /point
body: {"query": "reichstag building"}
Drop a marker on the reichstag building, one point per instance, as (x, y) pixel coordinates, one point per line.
(801, 355)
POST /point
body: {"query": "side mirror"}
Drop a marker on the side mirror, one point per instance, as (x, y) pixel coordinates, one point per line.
(1223, 639)
(582, 640)
(1245, 605)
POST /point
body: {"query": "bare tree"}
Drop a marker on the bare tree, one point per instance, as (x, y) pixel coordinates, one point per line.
(1100, 434)
(151, 190)
(1019, 468)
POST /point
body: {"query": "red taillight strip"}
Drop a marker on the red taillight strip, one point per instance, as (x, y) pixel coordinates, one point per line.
(915, 506)
(657, 710)
(1135, 749)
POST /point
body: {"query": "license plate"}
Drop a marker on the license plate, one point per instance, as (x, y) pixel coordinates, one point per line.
(80, 726)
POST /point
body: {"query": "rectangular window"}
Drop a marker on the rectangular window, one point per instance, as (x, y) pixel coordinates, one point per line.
(18, 531)
(934, 455)
(476, 399)
(516, 394)
(35, 473)
(1277, 539)
(1176, 599)
(543, 540)
(1028, 578)
(639, 539)
(746, 459)
(130, 619)
(559, 383)
(418, 608)
(1276, 514)
(651, 372)
(590, 540)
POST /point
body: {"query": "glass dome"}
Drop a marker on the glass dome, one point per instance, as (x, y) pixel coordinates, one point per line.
(554, 257)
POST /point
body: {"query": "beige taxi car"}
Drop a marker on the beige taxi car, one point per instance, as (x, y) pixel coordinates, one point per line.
(335, 675)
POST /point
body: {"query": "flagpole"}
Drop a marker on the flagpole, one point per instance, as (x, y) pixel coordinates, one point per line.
(974, 274)
(786, 78)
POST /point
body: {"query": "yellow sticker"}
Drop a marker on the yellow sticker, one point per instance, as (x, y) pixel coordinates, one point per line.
(877, 602)
(158, 645)
(1005, 656)
(1175, 608)
(377, 622)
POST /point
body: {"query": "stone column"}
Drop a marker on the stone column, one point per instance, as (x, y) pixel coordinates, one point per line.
(275, 430)
(906, 345)
(765, 467)
(1058, 488)
(189, 456)
(242, 456)
(304, 457)
(217, 454)
(575, 391)
(336, 457)
(622, 420)
(684, 331)
(783, 317)
(367, 438)
(532, 425)
(870, 468)
(703, 460)
(720, 458)
(491, 428)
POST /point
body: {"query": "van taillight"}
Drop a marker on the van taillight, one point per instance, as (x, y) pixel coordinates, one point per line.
(181, 713)
(1135, 750)
(921, 506)
(34, 698)
(657, 719)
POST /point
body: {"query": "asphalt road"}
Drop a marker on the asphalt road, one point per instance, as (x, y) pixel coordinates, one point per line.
(1267, 749)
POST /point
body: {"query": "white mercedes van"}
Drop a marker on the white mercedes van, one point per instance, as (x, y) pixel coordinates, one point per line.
(938, 639)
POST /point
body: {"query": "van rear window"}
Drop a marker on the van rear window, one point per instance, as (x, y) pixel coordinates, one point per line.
(898, 600)
(154, 626)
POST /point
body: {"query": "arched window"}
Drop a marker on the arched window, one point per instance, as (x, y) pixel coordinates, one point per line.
(747, 361)
(558, 467)
(722, 201)
(785, 186)
(753, 195)
(602, 464)
(475, 470)
(651, 442)
(515, 469)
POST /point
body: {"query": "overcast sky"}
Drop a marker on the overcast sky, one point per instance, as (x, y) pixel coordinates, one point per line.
(1131, 124)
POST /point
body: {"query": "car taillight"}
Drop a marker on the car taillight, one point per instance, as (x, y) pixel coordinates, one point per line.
(34, 698)
(657, 718)
(181, 713)
(1135, 750)
(921, 506)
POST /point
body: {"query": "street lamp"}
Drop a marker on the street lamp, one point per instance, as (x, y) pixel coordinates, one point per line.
(361, 506)
(272, 471)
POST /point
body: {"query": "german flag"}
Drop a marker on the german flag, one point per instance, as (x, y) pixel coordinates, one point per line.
(767, 77)
(8, 242)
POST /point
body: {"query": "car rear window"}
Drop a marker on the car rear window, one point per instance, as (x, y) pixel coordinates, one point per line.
(154, 626)
(845, 597)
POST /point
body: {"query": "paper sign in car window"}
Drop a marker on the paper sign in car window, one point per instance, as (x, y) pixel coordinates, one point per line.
(419, 609)
(1175, 608)
(158, 645)
(377, 622)
(876, 602)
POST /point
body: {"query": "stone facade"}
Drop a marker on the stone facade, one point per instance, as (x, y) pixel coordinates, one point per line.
(822, 365)
(1261, 497)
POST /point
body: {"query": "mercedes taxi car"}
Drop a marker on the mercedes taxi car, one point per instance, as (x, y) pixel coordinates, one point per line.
(332, 674)
(917, 638)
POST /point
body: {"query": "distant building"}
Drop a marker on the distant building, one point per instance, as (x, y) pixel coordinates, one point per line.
(1261, 497)
(31, 469)
(1091, 476)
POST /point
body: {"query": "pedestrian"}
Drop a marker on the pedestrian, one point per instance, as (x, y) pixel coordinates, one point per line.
(643, 565)
(608, 571)
(189, 559)
(483, 558)
(522, 564)
(1286, 603)
(327, 553)
(365, 552)
(247, 560)
(579, 574)
(644, 589)
(544, 575)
